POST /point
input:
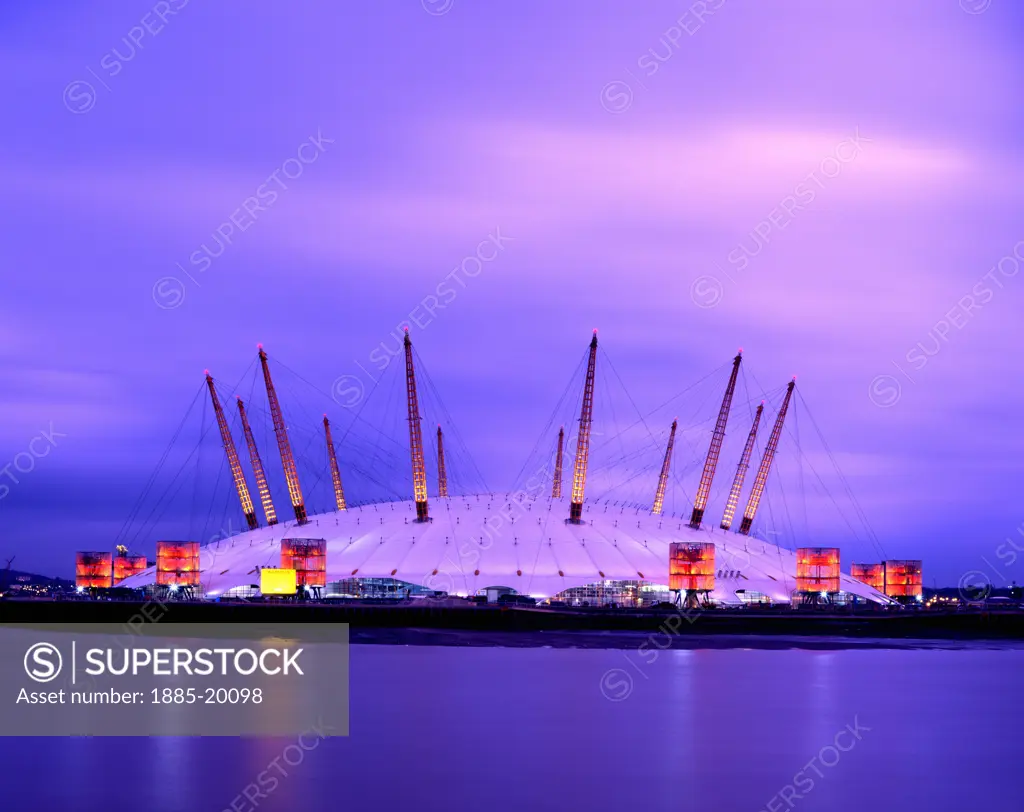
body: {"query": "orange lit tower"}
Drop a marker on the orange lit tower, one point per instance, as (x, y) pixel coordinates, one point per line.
(332, 459)
(817, 573)
(706, 477)
(871, 574)
(903, 580)
(308, 557)
(741, 472)
(177, 563)
(442, 475)
(659, 495)
(126, 565)
(579, 474)
(691, 570)
(556, 483)
(766, 464)
(291, 475)
(94, 569)
(233, 463)
(419, 471)
(257, 468)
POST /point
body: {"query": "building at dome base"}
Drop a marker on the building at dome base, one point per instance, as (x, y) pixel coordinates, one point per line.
(512, 541)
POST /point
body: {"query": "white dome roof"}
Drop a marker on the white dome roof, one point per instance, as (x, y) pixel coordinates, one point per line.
(473, 542)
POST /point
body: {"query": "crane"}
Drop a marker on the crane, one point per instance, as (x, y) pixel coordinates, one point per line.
(419, 471)
(291, 475)
(442, 475)
(579, 474)
(556, 483)
(766, 464)
(232, 454)
(257, 468)
(659, 494)
(332, 459)
(741, 472)
(706, 477)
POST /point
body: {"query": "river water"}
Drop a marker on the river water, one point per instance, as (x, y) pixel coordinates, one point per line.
(448, 728)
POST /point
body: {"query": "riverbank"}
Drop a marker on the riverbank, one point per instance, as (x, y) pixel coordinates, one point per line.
(425, 623)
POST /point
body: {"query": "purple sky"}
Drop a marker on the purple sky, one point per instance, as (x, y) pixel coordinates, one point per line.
(828, 185)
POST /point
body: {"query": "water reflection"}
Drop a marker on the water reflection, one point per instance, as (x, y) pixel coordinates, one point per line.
(462, 728)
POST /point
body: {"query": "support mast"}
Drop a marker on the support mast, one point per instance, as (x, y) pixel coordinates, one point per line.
(419, 471)
(257, 468)
(291, 475)
(659, 495)
(766, 464)
(579, 474)
(233, 463)
(741, 472)
(332, 459)
(442, 475)
(704, 490)
(556, 483)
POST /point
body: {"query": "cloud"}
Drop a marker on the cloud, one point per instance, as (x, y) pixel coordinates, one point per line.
(545, 182)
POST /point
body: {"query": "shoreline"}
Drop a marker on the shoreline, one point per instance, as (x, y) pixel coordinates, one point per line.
(447, 624)
(663, 641)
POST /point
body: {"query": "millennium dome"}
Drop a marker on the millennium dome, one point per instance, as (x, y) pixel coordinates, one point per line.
(536, 541)
(510, 540)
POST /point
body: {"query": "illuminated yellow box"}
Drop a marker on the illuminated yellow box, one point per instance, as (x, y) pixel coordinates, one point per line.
(277, 581)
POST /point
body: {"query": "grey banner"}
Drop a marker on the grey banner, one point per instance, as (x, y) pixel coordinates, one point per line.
(174, 679)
